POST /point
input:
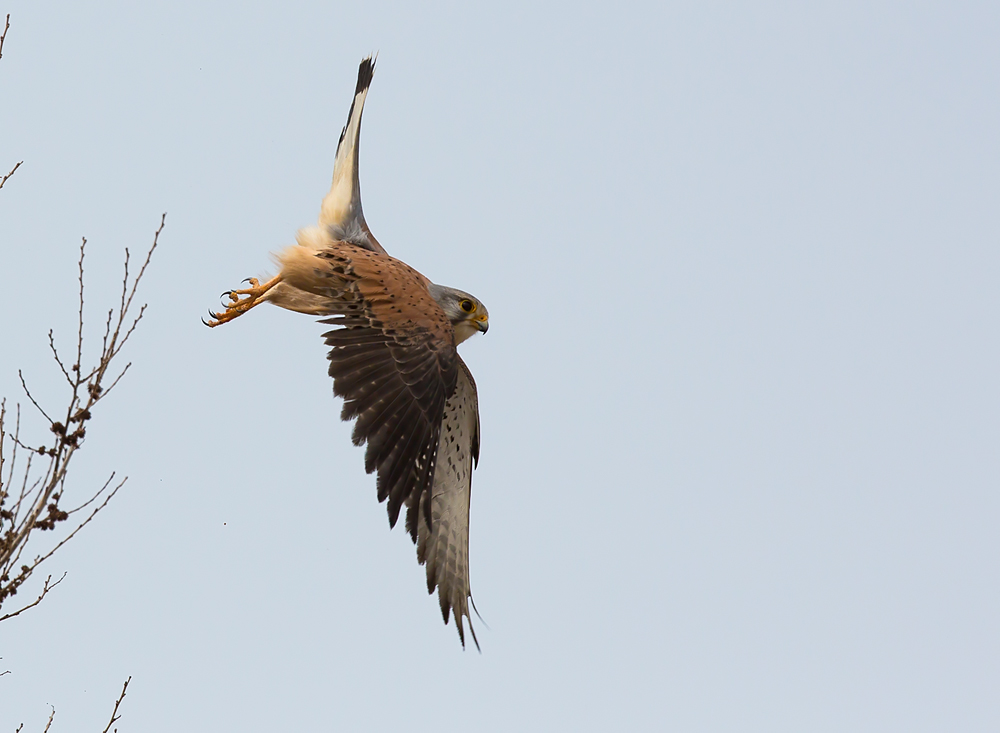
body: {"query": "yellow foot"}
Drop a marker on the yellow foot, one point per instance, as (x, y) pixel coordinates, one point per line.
(238, 305)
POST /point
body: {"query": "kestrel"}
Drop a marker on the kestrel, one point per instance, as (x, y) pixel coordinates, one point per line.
(393, 359)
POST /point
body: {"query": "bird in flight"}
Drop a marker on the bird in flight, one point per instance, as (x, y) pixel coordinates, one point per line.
(394, 360)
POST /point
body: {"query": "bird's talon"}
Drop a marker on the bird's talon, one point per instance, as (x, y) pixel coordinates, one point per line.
(240, 301)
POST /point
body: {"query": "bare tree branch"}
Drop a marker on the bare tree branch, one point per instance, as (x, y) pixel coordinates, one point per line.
(52, 716)
(45, 591)
(30, 499)
(55, 355)
(3, 36)
(36, 504)
(8, 175)
(114, 713)
(27, 391)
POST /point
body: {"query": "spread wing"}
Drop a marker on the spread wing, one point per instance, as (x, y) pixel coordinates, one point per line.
(395, 364)
(393, 360)
(443, 545)
(341, 213)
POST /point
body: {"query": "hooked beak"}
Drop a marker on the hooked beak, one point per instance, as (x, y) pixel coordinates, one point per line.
(483, 325)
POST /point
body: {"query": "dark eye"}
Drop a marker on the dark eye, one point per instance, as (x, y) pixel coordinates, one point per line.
(468, 306)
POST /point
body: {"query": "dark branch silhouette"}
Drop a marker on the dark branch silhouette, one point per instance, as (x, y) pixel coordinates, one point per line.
(33, 479)
(30, 497)
(114, 713)
(3, 37)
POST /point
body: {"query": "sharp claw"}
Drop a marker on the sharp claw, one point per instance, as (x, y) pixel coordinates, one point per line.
(240, 301)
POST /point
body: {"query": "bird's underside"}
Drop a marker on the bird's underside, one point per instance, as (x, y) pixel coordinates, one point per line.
(394, 361)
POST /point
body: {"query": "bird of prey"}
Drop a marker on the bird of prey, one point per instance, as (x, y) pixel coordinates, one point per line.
(394, 361)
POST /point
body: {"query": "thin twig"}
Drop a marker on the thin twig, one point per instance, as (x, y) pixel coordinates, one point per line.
(8, 175)
(149, 255)
(55, 354)
(28, 392)
(104, 341)
(97, 496)
(51, 716)
(142, 312)
(83, 524)
(79, 331)
(45, 591)
(114, 713)
(3, 36)
(3, 434)
(117, 379)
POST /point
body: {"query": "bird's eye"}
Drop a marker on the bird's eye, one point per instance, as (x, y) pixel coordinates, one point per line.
(468, 306)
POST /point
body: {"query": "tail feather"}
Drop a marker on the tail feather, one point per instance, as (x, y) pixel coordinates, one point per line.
(341, 213)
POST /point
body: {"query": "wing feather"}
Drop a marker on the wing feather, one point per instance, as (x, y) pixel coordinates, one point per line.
(394, 365)
(443, 543)
(415, 405)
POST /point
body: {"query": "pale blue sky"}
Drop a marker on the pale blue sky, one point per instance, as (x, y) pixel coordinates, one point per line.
(739, 395)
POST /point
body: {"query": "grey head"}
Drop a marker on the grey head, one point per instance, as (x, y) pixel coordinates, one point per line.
(467, 314)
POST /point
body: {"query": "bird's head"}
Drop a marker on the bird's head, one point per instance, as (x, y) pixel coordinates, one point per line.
(467, 315)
